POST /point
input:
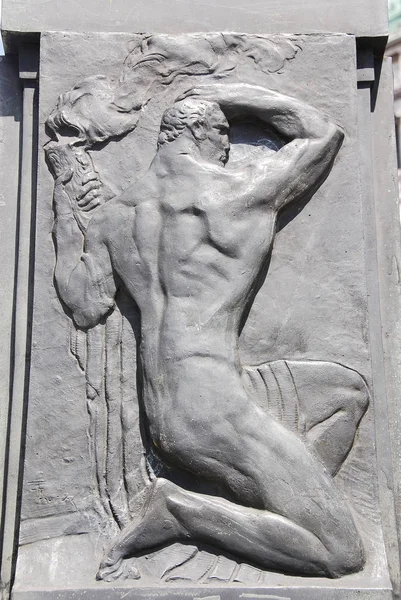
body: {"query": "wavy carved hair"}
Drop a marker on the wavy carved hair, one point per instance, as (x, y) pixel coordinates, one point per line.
(182, 114)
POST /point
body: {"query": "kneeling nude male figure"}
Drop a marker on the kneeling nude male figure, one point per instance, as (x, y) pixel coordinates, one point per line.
(189, 242)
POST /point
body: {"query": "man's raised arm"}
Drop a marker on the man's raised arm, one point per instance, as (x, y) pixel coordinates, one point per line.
(312, 139)
(83, 275)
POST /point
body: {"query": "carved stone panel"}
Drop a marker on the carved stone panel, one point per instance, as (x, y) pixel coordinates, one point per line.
(201, 399)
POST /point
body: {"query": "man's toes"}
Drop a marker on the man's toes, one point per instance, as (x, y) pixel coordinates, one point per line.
(121, 569)
(110, 571)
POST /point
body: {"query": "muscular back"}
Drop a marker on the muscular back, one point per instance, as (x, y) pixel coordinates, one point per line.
(213, 240)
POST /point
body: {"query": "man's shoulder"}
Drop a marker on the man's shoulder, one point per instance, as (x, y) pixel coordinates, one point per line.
(230, 174)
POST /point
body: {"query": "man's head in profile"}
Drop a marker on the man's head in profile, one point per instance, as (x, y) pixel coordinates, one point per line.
(197, 127)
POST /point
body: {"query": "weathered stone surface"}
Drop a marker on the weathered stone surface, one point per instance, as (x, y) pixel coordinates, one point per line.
(177, 241)
(388, 242)
(358, 17)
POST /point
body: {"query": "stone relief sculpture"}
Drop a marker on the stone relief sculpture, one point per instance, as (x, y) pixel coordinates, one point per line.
(189, 445)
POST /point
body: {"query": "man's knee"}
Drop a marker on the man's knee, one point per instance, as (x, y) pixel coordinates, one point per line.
(345, 552)
(356, 394)
(350, 391)
(346, 557)
(326, 388)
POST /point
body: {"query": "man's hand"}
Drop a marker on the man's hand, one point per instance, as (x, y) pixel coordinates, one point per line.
(93, 192)
(90, 195)
(211, 92)
(78, 187)
(233, 98)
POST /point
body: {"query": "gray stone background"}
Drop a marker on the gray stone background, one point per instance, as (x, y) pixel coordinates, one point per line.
(316, 278)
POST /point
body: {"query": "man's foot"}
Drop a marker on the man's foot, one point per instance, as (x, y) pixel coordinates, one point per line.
(154, 527)
(120, 569)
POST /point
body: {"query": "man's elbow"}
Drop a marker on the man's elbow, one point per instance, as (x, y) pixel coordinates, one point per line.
(335, 136)
(329, 143)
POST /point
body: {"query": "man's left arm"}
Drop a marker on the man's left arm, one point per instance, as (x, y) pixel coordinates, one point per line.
(313, 140)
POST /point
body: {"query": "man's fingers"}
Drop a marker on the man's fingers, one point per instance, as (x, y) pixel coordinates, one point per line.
(88, 187)
(212, 93)
(91, 176)
(91, 205)
(91, 195)
(188, 93)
